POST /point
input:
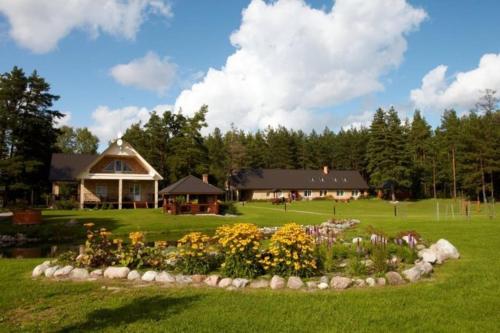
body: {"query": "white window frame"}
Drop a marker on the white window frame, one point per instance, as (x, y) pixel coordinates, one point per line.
(307, 193)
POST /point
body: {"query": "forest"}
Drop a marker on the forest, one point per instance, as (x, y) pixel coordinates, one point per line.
(402, 158)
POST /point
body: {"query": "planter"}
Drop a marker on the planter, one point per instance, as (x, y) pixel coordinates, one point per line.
(27, 217)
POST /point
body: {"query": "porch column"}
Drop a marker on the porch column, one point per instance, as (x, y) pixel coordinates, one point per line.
(82, 194)
(156, 194)
(120, 190)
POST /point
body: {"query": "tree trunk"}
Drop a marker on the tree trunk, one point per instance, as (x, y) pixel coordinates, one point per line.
(453, 167)
(492, 189)
(393, 194)
(434, 177)
(483, 184)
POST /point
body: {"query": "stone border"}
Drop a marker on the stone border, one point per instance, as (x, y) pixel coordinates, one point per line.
(436, 254)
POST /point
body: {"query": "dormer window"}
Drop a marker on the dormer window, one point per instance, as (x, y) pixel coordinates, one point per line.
(118, 166)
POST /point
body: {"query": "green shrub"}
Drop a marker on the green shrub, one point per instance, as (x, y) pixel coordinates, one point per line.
(66, 204)
(356, 267)
(326, 258)
(193, 255)
(228, 207)
(379, 256)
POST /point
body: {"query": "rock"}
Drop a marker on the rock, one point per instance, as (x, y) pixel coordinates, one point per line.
(412, 274)
(134, 275)
(226, 282)
(444, 250)
(240, 283)
(360, 283)
(184, 279)
(393, 278)
(231, 288)
(427, 255)
(367, 262)
(212, 280)
(71, 223)
(312, 284)
(420, 247)
(425, 267)
(277, 282)
(381, 281)
(79, 274)
(198, 278)
(62, 272)
(323, 285)
(340, 282)
(357, 240)
(324, 279)
(294, 282)
(259, 283)
(165, 277)
(49, 272)
(149, 276)
(96, 273)
(116, 272)
(40, 269)
(371, 282)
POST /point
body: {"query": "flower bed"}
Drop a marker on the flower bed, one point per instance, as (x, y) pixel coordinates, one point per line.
(236, 255)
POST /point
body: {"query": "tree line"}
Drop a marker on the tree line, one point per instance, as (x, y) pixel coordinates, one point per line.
(401, 158)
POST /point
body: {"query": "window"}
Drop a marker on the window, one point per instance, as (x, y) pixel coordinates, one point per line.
(323, 193)
(340, 193)
(118, 166)
(355, 192)
(307, 193)
(101, 191)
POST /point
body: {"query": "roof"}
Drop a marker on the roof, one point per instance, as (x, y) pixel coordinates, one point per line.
(65, 167)
(285, 179)
(191, 185)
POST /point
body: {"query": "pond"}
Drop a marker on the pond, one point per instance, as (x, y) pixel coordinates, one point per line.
(36, 250)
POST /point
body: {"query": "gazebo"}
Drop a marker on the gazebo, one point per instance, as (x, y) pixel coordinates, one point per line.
(191, 195)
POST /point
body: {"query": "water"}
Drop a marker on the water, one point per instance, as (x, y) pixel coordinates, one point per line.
(36, 250)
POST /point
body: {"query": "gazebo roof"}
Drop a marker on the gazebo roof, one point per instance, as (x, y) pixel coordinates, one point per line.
(191, 185)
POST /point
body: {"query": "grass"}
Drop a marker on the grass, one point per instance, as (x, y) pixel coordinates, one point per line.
(462, 296)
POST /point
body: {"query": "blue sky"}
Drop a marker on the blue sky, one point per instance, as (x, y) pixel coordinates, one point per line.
(194, 36)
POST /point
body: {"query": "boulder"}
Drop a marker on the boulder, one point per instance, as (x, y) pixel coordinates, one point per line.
(394, 278)
(40, 269)
(96, 273)
(64, 271)
(323, 285)
(226, 282)
(427, 255)
(198, 278)
(324, 279)
(259, 283)
(412, 274)
(49, 272)
(340, 282)
(359, 282)
(240, 283)
(444, 250)
(357, 240)
(277, 282)
(425, 267)
(134, 275)
(184, 279)
(420, 247)
(311, 284)
(295, 282)
(371, 282)
(116, 272)
(381, 281)
(165, 277)
(79, 274)
(212, 280)
(149, 276)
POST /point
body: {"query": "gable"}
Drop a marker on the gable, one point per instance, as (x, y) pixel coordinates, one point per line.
(107, 164)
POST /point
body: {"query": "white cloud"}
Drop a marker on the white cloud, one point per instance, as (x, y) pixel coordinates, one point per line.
(40, 25)
(149, 73)
(462, 91)
(291, 59)
(108, 123)
(64, 121)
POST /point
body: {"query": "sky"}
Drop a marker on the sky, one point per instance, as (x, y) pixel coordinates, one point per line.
(301, 64)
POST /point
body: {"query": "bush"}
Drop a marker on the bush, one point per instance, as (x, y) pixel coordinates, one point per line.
(228, 207)
(239, 245)
(291, 252)
(193, 254)
(99, 250)
(66, 204)
(325, 258)
(379, 256)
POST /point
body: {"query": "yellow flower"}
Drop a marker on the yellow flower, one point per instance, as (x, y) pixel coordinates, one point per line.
(89, 225)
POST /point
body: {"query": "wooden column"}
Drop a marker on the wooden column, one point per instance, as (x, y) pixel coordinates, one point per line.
(82, 193)
(156, 194)
(120, 190)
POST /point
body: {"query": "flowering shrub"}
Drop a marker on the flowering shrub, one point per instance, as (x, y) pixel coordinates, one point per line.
(193, 254)
(98, 248)
(239, 244)
(291, 252)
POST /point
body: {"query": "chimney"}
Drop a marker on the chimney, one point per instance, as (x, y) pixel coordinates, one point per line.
(205, 178)
(325, 169)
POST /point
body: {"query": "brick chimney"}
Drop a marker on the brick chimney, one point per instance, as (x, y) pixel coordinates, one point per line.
(205, 178)
(325, 169)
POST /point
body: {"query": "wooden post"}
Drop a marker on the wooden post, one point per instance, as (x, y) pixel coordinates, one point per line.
(156, 195)
(120, 190)
(82, 193)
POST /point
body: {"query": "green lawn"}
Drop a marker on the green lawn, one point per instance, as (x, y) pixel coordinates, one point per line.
(462, 296)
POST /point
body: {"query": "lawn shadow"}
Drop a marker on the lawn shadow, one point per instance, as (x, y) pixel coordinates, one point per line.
(153, 308)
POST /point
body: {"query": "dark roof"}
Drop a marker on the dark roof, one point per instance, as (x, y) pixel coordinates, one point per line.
(284, 179)
(65, 167)
(191, 185)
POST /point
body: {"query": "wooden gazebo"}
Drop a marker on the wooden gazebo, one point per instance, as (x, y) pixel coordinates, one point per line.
(191, 195)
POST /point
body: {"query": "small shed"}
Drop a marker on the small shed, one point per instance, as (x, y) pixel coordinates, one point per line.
(191, 195)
